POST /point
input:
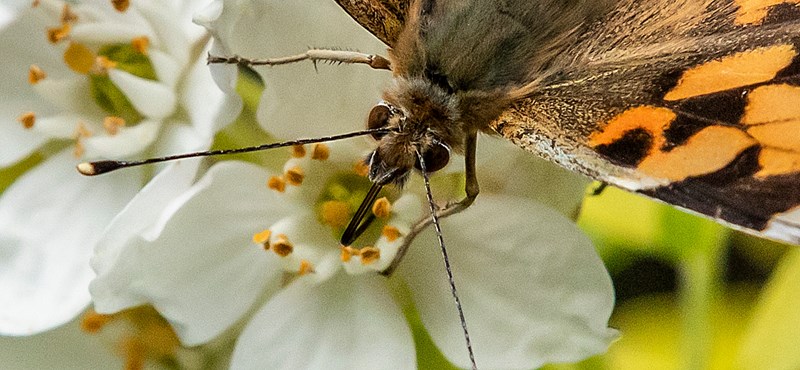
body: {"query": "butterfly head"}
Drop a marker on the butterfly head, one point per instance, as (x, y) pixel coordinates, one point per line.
(396, 153)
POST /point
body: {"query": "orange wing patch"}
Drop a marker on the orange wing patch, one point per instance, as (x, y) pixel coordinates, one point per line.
(754, 11)
(654, 120)
(706, 152)
(738, 70)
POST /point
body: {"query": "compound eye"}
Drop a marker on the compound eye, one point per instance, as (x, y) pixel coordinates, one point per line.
(378, 118)
(436, 157)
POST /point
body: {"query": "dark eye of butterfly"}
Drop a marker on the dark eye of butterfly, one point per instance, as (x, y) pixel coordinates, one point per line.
(378, 117)
(436, 157)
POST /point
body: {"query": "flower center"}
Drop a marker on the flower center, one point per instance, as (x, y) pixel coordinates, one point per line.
(94, 62)
(339, 194)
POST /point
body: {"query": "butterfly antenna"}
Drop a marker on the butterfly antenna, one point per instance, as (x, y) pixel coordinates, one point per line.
(101, 167)
(453, 289)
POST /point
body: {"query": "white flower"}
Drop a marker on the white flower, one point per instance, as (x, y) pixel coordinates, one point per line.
(533, 289)
(87, 81)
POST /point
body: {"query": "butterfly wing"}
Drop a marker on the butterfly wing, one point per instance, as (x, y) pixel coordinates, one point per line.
(696, 103)
(383, 18)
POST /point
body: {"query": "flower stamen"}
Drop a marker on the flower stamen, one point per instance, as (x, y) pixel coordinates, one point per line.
(141, 44)
(391, 233)
(347, 253)
(294, 176)
(282, 246)
(277, 183)
(102, 64)
(28, 119)
(298, 151)
(92, 322)
(361, 168)
(67, 15)
(262, 238)
(35, 74)
(369, 255)
(305, 267)
(121, 5)
(112, 124)
(320, 152)
(56, 34)
(382, 208)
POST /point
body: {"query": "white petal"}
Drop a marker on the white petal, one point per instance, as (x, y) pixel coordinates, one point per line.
(68, 94)
(532, 287)
(209, 108)
(59, 126)
(151, 98)
(50, 219)
(300, 102)
(197, 264)
(167, 68)
(17, 142)
(67, 347)
(168, 25)
(141, 212)
(503, 167)
(109, 32)
(18, 97)
(179, 137)
(129, 141)
(345, 323)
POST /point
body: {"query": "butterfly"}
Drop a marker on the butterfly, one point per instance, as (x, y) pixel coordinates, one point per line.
(692, 102)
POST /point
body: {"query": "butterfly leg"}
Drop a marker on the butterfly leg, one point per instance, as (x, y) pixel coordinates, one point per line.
(471, 188)
(314, 55)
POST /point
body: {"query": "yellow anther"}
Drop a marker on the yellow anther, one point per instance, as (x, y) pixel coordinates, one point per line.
(262, 238)
(56, 34)
(382, 208)
(141, 44)
(67, 15)
(391, 233)
(35, 74)
(35, 3)
(102, 64)
(369, 255)
(277, 183)
(92, 322)
(305, 267)
(298, 151)
(294, 176)
(320, 152)
(112, 124)
(282, 246)
(79, 58)
(335, 213)
(121, 5)
(27, 119)
(361, 168)
(347, 253)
